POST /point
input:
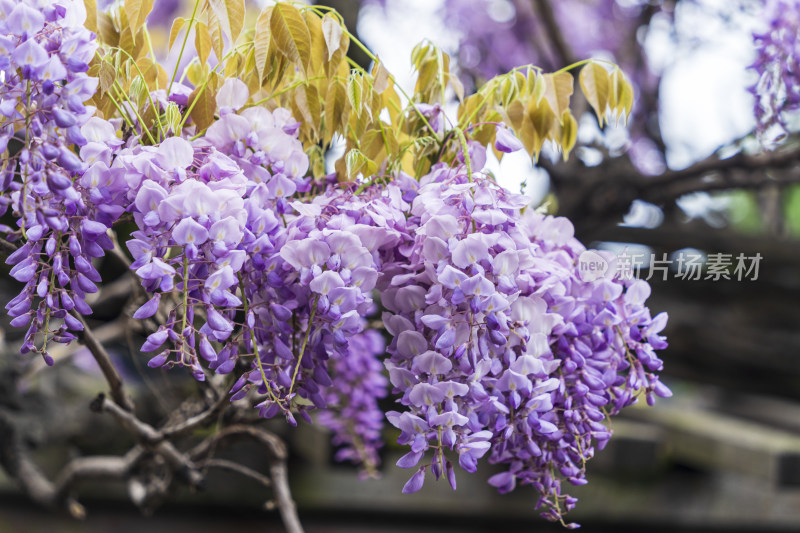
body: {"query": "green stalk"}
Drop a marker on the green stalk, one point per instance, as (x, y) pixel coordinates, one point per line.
(183, 46)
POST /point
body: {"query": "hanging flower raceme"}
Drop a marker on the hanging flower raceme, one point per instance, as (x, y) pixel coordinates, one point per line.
(499, 346)
(777, 64)
(353, 413)
(188, 204)
(56, 185)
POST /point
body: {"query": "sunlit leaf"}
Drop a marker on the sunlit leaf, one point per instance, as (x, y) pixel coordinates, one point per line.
(594, 84)
(290, 33)
(558, 90)
(107, 75)
(354, 93)
(306, 107)
(230, 14)
(621, 94)
(261, 40)
(175, 30)
(91, 15)
(332, 31)
(204, 104)
(569, 133)
(105, 29)
(356, 163)
(215, 32)
(202, 41)
(335, 104)
(319, 53)
(137, 11)
(381, 76)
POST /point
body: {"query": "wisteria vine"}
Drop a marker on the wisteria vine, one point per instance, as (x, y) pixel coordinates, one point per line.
(310, 293)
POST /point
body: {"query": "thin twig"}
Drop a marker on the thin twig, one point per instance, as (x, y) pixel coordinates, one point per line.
(224, 464)
(151, 437)
(100, 354)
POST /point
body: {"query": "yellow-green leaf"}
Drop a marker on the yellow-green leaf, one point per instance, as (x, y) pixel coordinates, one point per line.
(354, 93)
(91, 15)
(319, 54)
(621, 93)
(558, 90)
(173, 117)
(569, 133)
(594, 84)
(290, 34)
(106, 30)
(335, 103)
(515, 112)
(107, 76)
(381, 76)
(203, 103)
(357, 163)
(202, 41)
(542, 119)
(231, 16)
(196, 72)
(175, 30)
(332, 31)
(307, 109)
(215, 31)
(261, 40)
(457, 86)
(137, 11)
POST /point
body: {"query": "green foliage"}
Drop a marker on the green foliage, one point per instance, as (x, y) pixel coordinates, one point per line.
(295, 56)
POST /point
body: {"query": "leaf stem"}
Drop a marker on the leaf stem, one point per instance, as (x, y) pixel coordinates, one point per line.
(183, 46)
(305, 343)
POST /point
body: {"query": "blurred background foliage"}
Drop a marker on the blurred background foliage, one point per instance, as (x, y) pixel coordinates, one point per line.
(709, 161)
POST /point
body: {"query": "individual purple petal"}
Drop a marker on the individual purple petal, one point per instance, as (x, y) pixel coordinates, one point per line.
(415, 483)
(470, 250)
(24, 19)
(409, 460)
(506, 141)
(222, 279)
(233, 94)
(504, 481)
(432, 363)
(155, 340)
(188, 231)
(148, 309)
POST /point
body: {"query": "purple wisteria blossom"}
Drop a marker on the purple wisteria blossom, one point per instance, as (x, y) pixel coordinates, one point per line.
(777, 64)
(353, 413)
(56, 186)
(499, 348)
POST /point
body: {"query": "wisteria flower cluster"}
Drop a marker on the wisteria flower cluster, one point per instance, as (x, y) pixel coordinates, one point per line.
(500, 348)
(305, 293)
(777, 65)
(55, 184)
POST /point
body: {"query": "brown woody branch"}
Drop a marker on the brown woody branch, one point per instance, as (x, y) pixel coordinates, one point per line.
(276, 454)
(15, 459)
(106, 366)
(553, 30)
(595, 195)
(151, 437)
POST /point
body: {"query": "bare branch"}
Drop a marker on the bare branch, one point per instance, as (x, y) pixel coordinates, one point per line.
(277, 455)
(106, 366)
(741, 161)
(151, 437)
(550, 24)
(224, 464)
(195, 421)
(6, 248)
(15, 460)
(96, 467)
